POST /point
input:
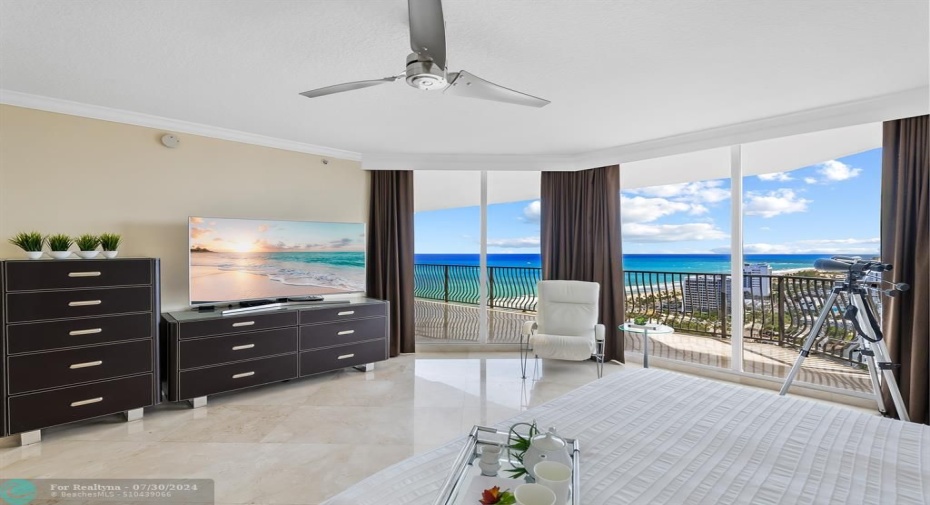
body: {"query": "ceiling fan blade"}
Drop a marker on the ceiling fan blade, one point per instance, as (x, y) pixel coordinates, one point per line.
(465, 84)
(427, 30)
(348, 86)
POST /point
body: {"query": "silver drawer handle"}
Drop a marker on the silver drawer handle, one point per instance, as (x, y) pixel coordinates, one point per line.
(241, 347)
(89, 331)
(86, 365)
(84, 274)
(346, 332)
(84, 303)
(244, 374)
(346, 313)
(243, 323)
(87, 402)
(346, 356)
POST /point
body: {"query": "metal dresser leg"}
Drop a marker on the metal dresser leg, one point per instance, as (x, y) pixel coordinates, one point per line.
(30, 437)
(196, 403)
(133, 415)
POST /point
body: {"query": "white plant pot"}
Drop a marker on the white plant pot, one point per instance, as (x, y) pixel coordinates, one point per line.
(59, 255)
(109, 254)
(88, 254)
(33, 255)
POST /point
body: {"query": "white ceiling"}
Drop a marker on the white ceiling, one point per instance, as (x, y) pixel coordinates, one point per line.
(617, 73)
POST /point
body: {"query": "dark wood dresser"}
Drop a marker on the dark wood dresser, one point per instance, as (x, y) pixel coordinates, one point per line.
(79, 341)
(208, 353)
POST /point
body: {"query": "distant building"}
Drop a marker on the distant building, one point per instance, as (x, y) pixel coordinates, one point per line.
(757, 286)
(703, 293)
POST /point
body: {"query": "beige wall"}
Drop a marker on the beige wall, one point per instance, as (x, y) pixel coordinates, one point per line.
(67, 174)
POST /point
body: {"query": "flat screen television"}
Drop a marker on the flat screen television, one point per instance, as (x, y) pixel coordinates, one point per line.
(237, 260)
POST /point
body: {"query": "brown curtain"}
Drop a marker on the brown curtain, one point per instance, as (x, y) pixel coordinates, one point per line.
(580, 234)
(906, 245)
(390, 252)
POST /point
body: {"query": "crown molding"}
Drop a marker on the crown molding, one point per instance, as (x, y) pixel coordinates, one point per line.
(907, 103)
(60, 106)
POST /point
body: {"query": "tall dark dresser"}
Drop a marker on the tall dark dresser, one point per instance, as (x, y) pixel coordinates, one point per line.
(79, 341)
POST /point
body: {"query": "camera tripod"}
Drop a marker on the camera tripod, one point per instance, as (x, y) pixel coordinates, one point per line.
(868, 332)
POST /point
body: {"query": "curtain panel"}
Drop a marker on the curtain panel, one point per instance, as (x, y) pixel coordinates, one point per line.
(390, 253)
(580, 239)
(905, 239)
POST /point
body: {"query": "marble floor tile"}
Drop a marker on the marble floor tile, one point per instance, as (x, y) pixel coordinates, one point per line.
(300, 442)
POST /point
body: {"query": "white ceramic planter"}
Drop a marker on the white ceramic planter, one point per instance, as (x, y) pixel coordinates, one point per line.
(33, 255)
(88, 254)
(109, 254)
(59, 255)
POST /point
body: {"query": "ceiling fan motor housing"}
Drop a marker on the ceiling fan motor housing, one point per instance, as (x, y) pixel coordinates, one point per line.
(424, 74)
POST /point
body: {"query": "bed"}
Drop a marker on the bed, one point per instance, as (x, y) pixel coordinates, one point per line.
(656, 437)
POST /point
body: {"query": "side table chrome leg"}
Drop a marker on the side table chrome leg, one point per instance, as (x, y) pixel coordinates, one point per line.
(367, 367)
(133, 415)
(645, 348)
(196, 403)
(30, 437)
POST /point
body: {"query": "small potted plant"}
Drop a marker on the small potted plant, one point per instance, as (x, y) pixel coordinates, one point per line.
(59, 245)
(109, 242)
(87, 244)
(31, 242)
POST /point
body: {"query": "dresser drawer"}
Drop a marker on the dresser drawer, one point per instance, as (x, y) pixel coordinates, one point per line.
(30, 372)
(237, 324)
(40, 410)
(257, 344)
(31, 337)
(22, 307)
(66, 274)
(207, 381)
(345, 332)
(342, 312)
(334, 358)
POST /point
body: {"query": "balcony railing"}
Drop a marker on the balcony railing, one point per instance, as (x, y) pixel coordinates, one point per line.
(779, 309)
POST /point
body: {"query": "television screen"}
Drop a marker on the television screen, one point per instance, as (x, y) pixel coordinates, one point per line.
(251, 259)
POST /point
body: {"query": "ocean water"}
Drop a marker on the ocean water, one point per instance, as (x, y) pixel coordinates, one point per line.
(688, 263)
(338, 270)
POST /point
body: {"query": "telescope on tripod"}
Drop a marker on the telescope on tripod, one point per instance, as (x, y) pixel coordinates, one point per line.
(861, 279)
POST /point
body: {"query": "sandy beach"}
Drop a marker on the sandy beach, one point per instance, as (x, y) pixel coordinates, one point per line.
(212, 284)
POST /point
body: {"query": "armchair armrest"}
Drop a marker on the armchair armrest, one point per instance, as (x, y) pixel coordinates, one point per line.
(529, 328)
(599, 332)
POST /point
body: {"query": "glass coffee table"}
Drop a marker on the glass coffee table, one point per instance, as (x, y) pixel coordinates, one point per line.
(646, 329)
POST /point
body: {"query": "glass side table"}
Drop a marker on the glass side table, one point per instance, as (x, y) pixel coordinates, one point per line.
(646, 329)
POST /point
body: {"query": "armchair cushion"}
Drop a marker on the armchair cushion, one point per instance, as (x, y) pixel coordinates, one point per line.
(562, 346)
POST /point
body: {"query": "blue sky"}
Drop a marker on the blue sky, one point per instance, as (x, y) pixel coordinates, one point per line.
(254, 235)
(830, 207)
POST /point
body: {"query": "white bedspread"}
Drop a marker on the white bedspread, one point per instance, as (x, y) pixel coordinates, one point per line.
(657, 437)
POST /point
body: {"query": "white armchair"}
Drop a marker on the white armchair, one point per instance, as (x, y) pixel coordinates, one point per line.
(566, 324)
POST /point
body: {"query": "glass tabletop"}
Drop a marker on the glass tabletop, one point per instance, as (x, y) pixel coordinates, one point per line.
(643, 328)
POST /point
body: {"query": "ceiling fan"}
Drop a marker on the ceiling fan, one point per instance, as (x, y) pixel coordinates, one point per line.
(426, 65)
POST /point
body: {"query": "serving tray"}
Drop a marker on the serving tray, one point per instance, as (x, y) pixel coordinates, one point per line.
(465, 482)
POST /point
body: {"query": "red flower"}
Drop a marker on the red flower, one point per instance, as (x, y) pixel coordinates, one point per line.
(495, 496)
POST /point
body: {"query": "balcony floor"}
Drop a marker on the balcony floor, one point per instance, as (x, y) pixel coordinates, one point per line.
(438, 322)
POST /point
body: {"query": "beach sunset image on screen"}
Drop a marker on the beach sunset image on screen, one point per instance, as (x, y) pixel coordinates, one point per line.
(247, 259)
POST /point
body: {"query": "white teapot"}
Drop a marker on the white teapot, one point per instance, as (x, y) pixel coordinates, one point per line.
(546, 447)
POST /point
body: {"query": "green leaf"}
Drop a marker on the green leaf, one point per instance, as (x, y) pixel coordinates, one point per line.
(507, 498)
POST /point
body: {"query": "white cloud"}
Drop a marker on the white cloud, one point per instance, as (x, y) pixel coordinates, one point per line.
(810, 180)
(863, 246)
(646, 210)
(638, 232)
(834, 170)
(514, 242)
(698, 209)
(773, 203)
(693, 192)
(777, 176)
(532, 211)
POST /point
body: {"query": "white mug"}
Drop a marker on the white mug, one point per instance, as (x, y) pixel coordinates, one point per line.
(555, 476)
(533, 494)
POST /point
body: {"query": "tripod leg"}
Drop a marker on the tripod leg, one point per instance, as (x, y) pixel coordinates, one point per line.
(880, 361)
(873, 373)
(806, 348)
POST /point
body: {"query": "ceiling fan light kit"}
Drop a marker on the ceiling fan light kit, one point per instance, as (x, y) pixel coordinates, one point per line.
(426, 66)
